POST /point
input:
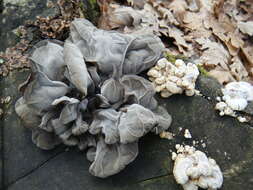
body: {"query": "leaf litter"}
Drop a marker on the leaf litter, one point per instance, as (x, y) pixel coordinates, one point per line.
(215, 34)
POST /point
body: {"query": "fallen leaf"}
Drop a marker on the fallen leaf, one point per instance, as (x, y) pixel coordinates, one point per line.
(237, 69)
(222, 76)
(214, 54)
(247, 51)
(246, 27)
(180, 42)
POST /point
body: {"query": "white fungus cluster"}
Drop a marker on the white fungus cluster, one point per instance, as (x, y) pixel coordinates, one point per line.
(192, 169)
(236, 96)
(166, 135)
(176, 78)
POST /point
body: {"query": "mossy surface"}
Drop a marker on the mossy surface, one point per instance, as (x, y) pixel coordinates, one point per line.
(202, 70)
(172, 58)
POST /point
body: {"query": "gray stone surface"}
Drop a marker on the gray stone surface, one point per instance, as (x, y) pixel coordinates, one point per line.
(209, 87)
(1, 153)
(70, 171)
(227, 141)
(20, 155)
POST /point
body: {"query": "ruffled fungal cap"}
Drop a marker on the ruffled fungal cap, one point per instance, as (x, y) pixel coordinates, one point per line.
(177, 78)
(236, 96)
(102, 107)
(192, 169)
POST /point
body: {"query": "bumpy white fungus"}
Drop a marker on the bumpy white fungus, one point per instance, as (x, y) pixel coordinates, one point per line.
(174, 156)
(236, 96)
(242, 119)
(177, 78)
(167, 135)
(192, 169)
(187, 134)
(218, 99)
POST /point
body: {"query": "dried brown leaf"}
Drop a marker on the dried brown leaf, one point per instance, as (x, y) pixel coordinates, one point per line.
(237, 69)
(178, 8)
(180, 42)
(222, 76)
(214, 54)
(246, 27)
(247, 51)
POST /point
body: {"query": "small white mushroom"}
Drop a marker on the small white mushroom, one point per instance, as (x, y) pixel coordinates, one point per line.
(190, 92)
(179, 73)
(160, 80)
(173, 79)
(183, 69)
(166, 94)
(187, 134)
(159, 88)
(157, 68)
(220, 106)
(166, 135)
(173, 88)
(224, 109)
(177, 146)
(241, 119)
(218, 98)
(154, 73)
(173, 156)
(162, 63)
(191, 87)
(180, 149)
(222, 113)
(179, 62)
(185, 83)
(179, 82)
(228, 111)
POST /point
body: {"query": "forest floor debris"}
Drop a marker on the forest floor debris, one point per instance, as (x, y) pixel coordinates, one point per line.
(52, 27)
(215, 34)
